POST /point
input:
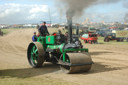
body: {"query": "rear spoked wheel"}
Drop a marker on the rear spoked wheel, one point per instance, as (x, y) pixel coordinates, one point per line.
(35, 54)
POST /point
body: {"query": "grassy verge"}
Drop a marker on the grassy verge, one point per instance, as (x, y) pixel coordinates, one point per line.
(5, 31)
(34, 81)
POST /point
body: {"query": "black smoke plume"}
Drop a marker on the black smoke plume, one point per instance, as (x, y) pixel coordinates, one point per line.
(76, 7)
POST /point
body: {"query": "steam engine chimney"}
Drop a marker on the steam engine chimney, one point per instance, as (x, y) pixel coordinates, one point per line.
(69, 22)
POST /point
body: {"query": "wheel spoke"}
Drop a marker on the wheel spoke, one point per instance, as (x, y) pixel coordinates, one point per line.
(32, 59)
(35, 51)
(34, 54)
(34, 48)
(31, 53)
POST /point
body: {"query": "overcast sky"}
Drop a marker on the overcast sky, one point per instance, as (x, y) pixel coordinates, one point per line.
(34, 11)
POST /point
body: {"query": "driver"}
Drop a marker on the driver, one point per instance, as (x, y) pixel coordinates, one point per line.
(43, 29)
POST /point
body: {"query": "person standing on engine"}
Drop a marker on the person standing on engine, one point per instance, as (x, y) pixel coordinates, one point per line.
(43, 29)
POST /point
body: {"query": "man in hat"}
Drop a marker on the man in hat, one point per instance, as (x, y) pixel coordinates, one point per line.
(43, 30)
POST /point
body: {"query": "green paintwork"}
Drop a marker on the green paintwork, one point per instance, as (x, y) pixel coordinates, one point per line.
(42, 40)
(34, 54)
(56, 47)
(51, 45)
(50, 40)
(60, 47)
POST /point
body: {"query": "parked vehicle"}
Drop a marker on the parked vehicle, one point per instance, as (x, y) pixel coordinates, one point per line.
(89, 38)
(119, 36)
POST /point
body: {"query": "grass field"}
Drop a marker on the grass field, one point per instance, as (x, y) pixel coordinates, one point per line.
(6, 31)
(34, 81)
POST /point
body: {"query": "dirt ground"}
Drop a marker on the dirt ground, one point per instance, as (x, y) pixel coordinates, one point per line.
(110, 64)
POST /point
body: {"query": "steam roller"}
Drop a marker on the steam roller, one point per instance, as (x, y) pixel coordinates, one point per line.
(66, 51)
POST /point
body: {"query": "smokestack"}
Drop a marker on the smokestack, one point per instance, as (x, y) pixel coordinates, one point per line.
(77, 29)
(69, 22)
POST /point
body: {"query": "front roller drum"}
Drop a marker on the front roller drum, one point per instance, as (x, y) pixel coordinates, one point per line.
(35, 54)
(79, 62)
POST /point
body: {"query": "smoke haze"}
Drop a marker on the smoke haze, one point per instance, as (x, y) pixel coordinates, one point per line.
(76, 7)
(126, 15)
